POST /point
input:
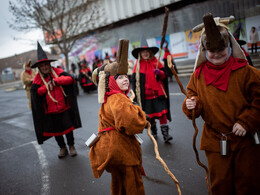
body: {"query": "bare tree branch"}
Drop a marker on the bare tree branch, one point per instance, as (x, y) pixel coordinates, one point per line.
(60, 20)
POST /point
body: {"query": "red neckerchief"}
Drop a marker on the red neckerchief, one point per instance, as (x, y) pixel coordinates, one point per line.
(166, 52)
(218, 76)
(147, 67)
(113, 89)
(29, 71)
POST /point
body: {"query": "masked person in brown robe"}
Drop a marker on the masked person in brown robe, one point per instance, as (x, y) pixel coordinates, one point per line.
(27, 77)
(225, 92)
(118, 151)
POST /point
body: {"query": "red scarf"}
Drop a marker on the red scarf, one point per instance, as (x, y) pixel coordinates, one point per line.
(147, 67)
(29, 71)
(218, 76)
(166, 53)
(113, 89)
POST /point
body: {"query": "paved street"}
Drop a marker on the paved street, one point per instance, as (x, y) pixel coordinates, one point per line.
(29, 168)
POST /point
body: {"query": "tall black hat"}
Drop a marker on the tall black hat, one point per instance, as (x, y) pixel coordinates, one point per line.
(144, 46)
(42, 57)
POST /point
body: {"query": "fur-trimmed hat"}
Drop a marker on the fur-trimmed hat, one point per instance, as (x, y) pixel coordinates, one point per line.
(214, 37)
(42, 57)
(118, 67)
(144, 46)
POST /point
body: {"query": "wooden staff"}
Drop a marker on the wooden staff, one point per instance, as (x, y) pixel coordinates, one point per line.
(193, 121)
(132, 97)
(156, 149)
(158, 157)
(165, 22)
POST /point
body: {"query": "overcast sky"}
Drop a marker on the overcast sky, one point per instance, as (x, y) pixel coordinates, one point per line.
(14, 42)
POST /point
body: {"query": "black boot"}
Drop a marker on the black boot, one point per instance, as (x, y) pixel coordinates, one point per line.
(154, 130)
(165, 132)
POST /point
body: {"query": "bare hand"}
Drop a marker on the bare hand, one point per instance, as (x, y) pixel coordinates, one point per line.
(191, 103)
(238, 130)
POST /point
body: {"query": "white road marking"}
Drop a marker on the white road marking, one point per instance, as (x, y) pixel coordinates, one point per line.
(45, 170)
(45, 190)
(176, 93)
(10, 149)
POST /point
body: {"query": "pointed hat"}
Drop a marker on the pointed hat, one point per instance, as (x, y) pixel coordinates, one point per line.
(42, 57)
(144, 45)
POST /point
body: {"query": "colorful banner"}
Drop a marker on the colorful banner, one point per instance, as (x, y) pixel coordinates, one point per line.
(234, 25)
(178, 45)
(193, 42)
(135, 44)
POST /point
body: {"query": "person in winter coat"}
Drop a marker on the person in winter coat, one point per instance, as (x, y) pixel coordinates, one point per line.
(225, 92)
(27, 77)
(54, 104)
(117, 151)
(150, 85)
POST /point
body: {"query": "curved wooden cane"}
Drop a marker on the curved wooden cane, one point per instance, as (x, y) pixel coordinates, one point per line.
(158, 157)
(169, 61)
(156, 150)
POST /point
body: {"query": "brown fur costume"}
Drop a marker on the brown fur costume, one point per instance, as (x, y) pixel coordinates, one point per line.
(119, 147)
(238, 172)
(117, 150)
(27, 79)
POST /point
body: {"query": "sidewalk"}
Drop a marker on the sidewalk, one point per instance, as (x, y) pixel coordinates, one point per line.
(13, 85)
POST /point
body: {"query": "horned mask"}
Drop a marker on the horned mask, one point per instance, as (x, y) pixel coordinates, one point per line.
(118, 67)
(214, 37)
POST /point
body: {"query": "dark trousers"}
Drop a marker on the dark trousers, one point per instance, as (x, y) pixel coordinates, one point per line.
(254, 45)
(61, 142)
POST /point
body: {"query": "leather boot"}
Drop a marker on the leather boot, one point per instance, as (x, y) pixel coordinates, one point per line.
(63, 152)
(165, 132)
(154, 130)
(73, 151)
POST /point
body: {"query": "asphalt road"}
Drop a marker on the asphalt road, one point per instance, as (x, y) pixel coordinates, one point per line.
(28, 168)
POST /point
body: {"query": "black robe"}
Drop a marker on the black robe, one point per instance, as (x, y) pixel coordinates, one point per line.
(43, 121)
(142, 89)
(90, 85)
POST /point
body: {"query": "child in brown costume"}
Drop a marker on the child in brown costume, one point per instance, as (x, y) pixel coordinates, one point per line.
(225, 91)
(118, 151)
(27, 77)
